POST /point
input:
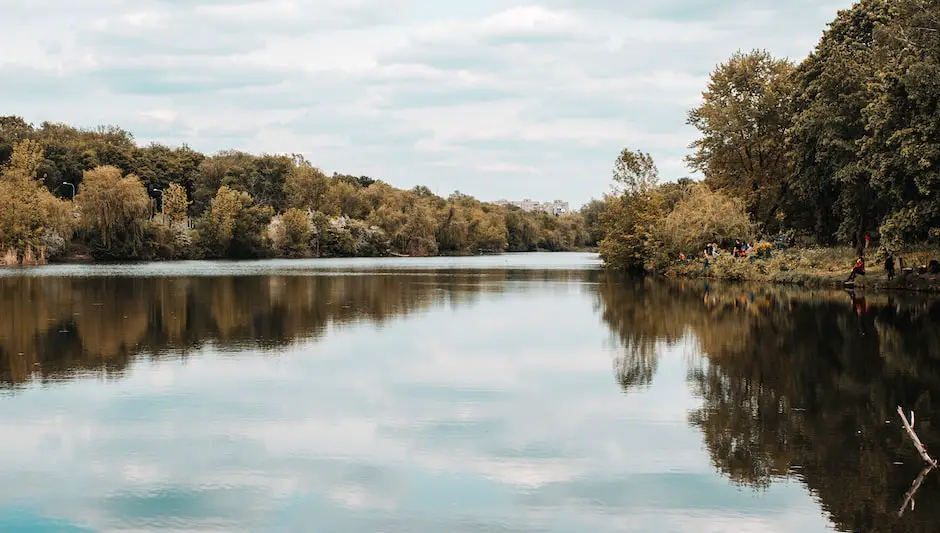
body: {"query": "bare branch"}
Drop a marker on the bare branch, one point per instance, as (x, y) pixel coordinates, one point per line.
(915, 439)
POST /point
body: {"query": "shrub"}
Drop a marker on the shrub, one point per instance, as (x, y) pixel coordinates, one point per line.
(763, 249)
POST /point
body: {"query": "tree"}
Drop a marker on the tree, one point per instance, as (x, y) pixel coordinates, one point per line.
(114, 209)
(635, 172)
(233, 226)
(305, 187)
(630, 220)
(32, 221)
(13, 129)
(262, 177)
(293, 233)
(523, 230)
(705, 216)
(158, 165)
(743, 120)
(902, 147)
(591, 213)
(343, 199)
(833, 86)
(175, 205)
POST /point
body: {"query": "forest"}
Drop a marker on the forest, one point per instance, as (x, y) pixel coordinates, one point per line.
(839, 150)
(68, 193)
(835, 150)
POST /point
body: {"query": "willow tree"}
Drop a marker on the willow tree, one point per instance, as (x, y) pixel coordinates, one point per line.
(705, 216)
(114, 212)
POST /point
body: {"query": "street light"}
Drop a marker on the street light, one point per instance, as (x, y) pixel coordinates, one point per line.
(72, 186)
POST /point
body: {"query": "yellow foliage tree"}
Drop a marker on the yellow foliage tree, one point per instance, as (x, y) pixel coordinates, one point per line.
(31, 218)
(223, 211)
(305, 187)
(706, 216)
(175, 204)
(114, 209)
(293, 233)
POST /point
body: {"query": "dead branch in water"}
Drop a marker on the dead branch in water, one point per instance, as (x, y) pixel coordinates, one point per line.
(909, 497)
(909, 426)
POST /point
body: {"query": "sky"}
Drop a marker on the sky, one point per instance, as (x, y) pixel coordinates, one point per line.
(495, 98)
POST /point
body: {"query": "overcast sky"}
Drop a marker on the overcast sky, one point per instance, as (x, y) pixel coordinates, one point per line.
(495, 98)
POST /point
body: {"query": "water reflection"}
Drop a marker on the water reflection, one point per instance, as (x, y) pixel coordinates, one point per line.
(800, 385)
(57, 327)
(459, 400)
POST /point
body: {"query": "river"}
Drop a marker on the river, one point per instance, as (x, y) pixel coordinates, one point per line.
(509, 393)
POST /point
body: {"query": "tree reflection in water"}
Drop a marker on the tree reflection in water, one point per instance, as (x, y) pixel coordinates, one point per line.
(802, 385)
(795, 384)
(55, 328)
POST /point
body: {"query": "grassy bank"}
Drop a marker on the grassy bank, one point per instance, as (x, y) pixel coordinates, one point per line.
(811, 267)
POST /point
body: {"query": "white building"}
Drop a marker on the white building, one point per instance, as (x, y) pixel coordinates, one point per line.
(557, 208)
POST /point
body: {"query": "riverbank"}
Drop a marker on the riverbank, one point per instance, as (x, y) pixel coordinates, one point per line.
(810, 267)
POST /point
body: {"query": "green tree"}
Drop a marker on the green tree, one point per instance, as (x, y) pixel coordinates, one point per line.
(833, 86)
(902, 148)
(262, 177)
(13, 129)
(630, 222)
(234, 225)
(522, 229)
(635, 172)
(743, 120)
(591, 213)
(158, 165)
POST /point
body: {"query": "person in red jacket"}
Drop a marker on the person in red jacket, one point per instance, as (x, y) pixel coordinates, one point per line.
(858, 269)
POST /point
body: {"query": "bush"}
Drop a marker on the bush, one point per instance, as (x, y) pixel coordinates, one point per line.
(763, 249)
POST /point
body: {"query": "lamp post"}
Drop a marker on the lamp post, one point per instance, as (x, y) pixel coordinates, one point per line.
(72, 186)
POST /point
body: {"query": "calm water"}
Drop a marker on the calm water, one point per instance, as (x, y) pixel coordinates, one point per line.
(490, 394)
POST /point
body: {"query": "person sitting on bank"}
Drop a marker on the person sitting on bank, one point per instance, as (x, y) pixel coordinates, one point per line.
(857, 270)
(889, 266)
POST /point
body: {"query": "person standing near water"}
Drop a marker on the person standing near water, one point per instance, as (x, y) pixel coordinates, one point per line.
(889, 266)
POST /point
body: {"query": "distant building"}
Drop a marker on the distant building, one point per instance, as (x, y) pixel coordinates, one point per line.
(557, 208)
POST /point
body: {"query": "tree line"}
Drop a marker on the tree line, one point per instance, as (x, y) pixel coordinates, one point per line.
(66, 191)
(843, 145)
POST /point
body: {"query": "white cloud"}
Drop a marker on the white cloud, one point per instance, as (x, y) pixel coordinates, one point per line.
(551, 88)
(161, 115)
